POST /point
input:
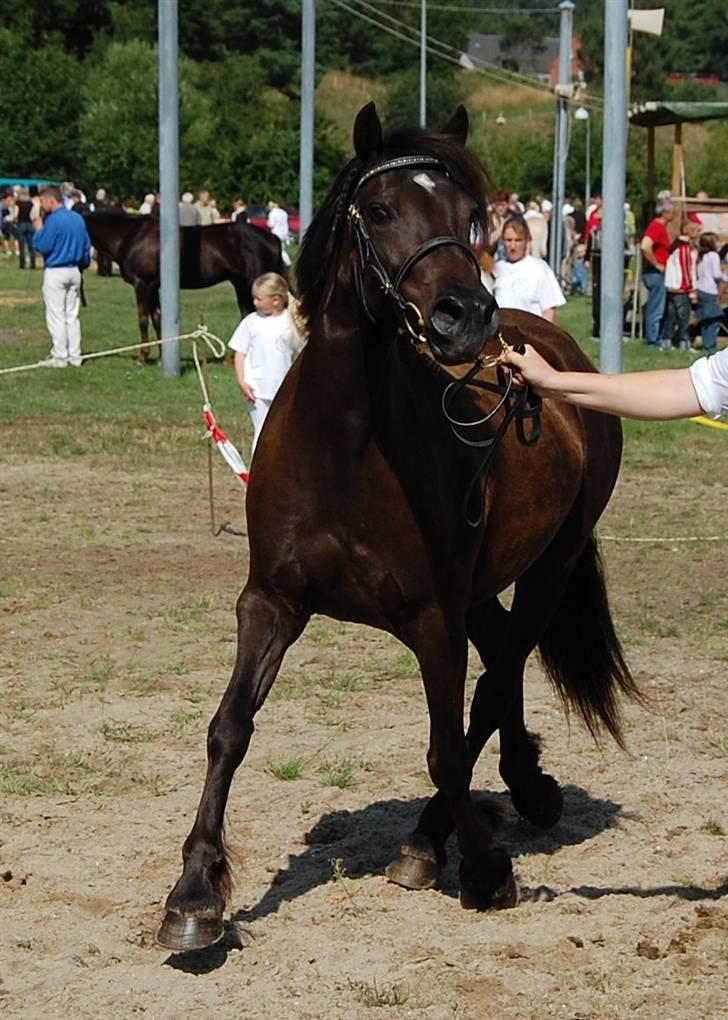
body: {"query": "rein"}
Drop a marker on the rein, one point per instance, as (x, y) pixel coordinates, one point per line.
(521, 406)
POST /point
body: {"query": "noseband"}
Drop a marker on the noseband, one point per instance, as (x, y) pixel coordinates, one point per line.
(368, 258)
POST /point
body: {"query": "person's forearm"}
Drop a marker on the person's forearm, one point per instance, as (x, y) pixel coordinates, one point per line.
(659, 395)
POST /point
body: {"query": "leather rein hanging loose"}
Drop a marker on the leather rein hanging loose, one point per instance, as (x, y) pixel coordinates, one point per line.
(520, 406)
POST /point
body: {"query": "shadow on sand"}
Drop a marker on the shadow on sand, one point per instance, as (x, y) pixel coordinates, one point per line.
(365, 841)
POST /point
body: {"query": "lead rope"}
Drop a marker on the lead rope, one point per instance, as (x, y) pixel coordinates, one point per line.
(524, 405)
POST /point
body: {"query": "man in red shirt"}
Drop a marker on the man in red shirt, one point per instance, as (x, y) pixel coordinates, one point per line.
(655, 245)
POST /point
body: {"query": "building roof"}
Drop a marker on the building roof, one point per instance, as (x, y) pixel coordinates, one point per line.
(526, 59)
(657, 114)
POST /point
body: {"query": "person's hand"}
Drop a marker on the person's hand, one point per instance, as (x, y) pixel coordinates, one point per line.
(248, 392)
(529, 368)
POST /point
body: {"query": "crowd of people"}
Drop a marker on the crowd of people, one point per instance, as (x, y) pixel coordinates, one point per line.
(681, 275)
(201, 211)
(49, 222)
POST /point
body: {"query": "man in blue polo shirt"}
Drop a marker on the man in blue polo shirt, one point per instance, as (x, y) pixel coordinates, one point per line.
(63, 241)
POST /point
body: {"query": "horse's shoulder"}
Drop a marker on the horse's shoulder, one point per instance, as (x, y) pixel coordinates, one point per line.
(558, 346)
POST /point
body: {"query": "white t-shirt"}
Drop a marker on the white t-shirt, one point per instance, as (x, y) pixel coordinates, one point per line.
(710, 379)
(278, 223)
(528, 285)
(268, 343)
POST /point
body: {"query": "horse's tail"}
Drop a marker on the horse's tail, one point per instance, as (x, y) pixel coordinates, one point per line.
(581, 653)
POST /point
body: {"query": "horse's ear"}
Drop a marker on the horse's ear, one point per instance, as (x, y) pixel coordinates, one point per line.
(457, 126)
(367, 134)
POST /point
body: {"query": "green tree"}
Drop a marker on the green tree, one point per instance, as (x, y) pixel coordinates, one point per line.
(38, 108)
(443, 94)
(118, 146)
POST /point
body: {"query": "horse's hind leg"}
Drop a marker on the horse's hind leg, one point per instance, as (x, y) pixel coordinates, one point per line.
(486, 877)
(144, 308)
(503, 640)
(194, 908)
(156, 314)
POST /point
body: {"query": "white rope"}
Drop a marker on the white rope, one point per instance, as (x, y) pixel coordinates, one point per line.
(215, 345)
(661, 538)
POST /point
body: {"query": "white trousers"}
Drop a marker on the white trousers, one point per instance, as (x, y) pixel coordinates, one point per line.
(62, 297)
(258, 412)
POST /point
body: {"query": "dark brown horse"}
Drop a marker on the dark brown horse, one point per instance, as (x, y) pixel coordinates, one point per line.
(386, 513)
(208, 255)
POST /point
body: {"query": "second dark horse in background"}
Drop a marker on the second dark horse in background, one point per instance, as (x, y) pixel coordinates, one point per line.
(237, 252)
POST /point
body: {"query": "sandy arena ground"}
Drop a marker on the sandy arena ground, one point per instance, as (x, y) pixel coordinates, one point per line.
(118, 638)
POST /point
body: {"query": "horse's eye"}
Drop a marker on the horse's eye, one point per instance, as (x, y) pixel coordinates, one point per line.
(379, 214)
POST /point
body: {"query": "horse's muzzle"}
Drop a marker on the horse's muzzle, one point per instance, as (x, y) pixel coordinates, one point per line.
(460, 323)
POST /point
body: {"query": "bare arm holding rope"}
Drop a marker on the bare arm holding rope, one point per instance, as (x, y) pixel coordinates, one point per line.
(658, 395)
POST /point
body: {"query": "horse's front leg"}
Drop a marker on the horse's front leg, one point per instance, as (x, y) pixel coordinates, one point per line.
(194, 908)
(486, 876)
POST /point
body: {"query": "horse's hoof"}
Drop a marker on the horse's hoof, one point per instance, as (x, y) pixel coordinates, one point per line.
(488, 882)
(417, 866)
(542, 805)
(184, 932)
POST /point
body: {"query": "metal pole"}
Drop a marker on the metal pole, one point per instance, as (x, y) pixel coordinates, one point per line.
(562, 135)
(614, 164)
(587, 183)
(423, 63)
(169, 185)
(308, 52)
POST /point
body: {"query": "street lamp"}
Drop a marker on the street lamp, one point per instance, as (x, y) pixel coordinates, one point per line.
(581, 113)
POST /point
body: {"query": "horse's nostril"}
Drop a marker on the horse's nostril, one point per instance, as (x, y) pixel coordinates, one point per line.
(449, 310)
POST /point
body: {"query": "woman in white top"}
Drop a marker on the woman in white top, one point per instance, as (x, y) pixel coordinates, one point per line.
(523, 281)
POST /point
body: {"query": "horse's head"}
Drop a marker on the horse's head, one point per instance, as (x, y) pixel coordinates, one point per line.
(415, 210)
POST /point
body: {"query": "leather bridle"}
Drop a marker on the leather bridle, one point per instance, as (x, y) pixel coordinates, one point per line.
(521, 406)
(368, 258)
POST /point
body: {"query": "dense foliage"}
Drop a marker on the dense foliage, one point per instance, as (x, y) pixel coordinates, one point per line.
(79, 97)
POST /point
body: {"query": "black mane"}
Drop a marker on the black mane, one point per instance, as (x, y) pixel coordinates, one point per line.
(322, 238)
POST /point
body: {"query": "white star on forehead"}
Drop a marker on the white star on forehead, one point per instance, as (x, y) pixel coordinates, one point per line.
(424, 181)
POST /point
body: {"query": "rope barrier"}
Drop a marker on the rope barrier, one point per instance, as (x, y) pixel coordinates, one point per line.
(217, 348)
(662, 538)
(214, 343)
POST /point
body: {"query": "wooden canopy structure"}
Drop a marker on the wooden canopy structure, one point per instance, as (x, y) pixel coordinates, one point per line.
(659, 114)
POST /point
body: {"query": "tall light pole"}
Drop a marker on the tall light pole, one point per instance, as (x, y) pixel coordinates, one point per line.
(423, 63)
(308, 98)
(581, 113)
(614, 172)
(561, 139)
(169, 185)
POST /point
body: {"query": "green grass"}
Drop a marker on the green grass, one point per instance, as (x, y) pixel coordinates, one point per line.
(287, 768)
(338, 773)
(109, 407)
(372, 995)
(15, 782)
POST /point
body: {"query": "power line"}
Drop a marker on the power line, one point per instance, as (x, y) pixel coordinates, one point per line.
(450, 53)
(471, 10)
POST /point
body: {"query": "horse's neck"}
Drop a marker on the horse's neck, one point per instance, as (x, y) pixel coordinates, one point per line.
(364, 380)
(111, 231)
